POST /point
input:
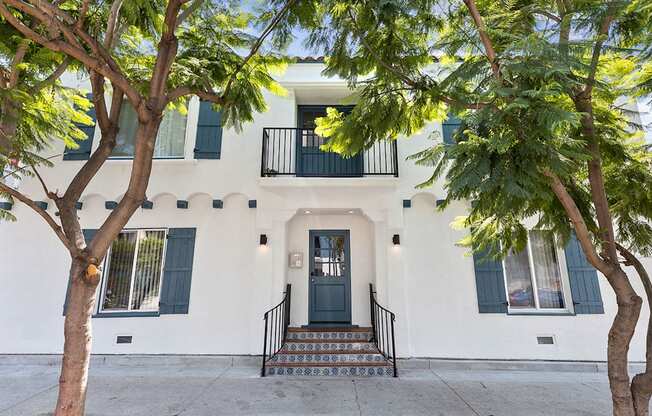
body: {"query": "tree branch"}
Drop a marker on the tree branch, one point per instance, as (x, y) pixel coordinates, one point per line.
(179, 92)
(53, 77)
(48, 219)
(484, 37)
(188, 11)
(49, 194)
(581, 230)
(14, 73)
(167, 51)
(108, 68)
(631, 260)
(254, 50)
(112, 22)
(602, 35)
(109, 127)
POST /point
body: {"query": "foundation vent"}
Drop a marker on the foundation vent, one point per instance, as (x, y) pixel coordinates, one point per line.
(123, 339)
(546, 340)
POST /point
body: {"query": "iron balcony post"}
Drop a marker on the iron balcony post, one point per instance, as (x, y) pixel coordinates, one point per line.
(262, 372)
(372, 310)
(262, 157)
(395, 159)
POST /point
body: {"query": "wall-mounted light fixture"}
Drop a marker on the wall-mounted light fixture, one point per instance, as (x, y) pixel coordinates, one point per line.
(263, 239)
(396, 239)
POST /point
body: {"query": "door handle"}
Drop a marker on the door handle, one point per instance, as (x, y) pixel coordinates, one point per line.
(312, 280)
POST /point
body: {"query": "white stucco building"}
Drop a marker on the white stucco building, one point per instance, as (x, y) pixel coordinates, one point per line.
(247, 213)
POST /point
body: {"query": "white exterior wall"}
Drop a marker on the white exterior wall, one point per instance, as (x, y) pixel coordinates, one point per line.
(427, 281)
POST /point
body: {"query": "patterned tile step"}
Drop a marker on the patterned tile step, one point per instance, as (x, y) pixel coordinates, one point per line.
(312, 345)
(330, 335)
(330, 329)
(349, 370)
(362, 356)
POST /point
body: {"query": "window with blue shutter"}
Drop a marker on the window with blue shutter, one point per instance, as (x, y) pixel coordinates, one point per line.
(83, 152)
(208, 141)
(490, 284)
(88, 236)
(449, 126)
(177, 271)
(584, 285)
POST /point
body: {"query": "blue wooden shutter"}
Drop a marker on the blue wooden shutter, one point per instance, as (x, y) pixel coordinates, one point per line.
(208, 141)
(584, 285)
(177, 272)
(83, 152)
(490, 284)
(88, 236)
(449, 126)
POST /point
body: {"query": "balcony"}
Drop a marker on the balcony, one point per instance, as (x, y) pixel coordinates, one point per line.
(289, 151)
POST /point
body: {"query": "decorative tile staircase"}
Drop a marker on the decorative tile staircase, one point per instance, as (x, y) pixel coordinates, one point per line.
(329, 352)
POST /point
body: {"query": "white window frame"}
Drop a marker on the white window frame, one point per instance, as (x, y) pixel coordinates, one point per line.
(105, 274)
(564, 282)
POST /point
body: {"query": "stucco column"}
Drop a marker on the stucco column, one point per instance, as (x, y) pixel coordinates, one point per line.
(390, 272)
(269, 269)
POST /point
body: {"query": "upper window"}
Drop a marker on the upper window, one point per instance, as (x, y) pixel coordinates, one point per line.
(133, 271)
(170, 141)
(533, 276)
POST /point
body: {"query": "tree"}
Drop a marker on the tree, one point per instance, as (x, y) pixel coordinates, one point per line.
(34, 107)
(153, 56)
(542, 89)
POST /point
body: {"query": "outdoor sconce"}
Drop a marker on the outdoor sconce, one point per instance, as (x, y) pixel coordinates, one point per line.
(396, 239)
(263, 239)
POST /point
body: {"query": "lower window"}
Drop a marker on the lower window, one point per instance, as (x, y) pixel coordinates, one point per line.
(533, 276)
(133, 270)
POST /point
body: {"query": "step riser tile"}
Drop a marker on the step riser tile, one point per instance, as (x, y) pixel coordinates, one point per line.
(326, 358)
(349, 336)
(321, 346)
(331, 371)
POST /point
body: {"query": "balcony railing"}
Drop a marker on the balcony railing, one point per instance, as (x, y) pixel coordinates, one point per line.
(297, 152)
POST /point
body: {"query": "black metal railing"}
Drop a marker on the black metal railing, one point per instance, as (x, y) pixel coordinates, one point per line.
(277, 321)
(382, 326)
(296, 151)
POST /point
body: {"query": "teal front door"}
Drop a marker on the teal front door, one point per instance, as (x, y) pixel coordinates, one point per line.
(330, 277)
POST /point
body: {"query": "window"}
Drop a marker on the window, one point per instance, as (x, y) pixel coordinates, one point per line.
(533, 276)
(170, 141)
(133, 270)
(329, 256)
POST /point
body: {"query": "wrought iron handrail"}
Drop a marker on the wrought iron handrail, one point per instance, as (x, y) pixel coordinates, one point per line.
(296, 151)
(277, 321)
(382, 326)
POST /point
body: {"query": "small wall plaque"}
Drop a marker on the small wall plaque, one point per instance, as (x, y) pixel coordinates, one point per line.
(296, 260)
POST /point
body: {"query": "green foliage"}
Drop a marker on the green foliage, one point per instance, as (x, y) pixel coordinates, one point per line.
(214, 37)
(411, 62)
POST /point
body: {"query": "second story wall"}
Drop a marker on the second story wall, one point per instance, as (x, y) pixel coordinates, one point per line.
(238, 169)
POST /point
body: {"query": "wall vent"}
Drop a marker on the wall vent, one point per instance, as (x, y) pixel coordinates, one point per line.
(546, 340)
(123, 339)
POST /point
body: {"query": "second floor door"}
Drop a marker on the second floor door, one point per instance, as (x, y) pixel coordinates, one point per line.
(311, 160)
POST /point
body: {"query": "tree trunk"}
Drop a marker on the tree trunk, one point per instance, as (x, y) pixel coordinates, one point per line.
(77, 347)
(620, 336)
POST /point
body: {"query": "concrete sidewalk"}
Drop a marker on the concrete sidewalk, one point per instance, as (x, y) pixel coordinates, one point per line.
(28, 389)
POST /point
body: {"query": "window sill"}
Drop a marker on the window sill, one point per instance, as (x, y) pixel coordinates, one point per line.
(540, 313)
(130, 314)
(156, 161)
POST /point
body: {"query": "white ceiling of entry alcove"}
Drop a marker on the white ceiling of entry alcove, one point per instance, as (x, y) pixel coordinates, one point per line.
(320, 95)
